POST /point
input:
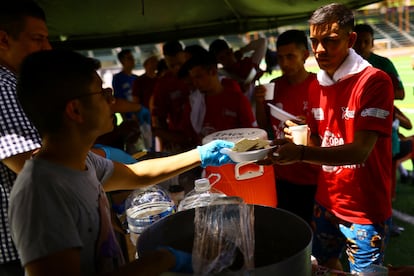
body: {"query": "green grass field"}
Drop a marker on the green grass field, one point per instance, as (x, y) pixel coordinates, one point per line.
(400, 250)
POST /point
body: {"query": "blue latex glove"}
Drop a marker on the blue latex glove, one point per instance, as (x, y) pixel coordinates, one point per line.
(183, 261)
(116, 154)
(210, 154)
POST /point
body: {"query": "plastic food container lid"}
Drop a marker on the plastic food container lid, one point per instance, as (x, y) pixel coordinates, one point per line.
(235, 134)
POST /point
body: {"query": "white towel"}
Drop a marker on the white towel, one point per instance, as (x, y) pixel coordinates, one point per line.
(353, 64)
(198, 110)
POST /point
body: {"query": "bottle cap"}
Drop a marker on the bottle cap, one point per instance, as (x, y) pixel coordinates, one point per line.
(202, 185)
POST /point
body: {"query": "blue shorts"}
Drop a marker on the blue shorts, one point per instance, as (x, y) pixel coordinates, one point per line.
(364, 243)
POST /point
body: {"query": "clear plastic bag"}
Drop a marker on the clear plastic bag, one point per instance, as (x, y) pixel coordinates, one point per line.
(224, 238)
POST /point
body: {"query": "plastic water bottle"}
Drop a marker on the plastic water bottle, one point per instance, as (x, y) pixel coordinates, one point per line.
(144, 207)
(202, 195)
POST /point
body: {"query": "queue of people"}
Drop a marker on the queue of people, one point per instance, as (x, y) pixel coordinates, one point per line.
(50, 177)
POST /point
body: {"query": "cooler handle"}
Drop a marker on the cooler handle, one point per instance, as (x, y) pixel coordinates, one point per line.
(217, 176)
(249, 174)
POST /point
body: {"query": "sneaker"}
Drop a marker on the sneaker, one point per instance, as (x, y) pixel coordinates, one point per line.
(396, 230)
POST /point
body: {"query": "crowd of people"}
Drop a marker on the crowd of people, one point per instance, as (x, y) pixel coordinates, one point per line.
(62, 150)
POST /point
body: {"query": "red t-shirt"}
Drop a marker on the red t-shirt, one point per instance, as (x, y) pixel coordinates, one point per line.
(243, 67)
(293, 98)
(143, 88)
(358, 193)
(171, 103)
(227, 110)
(240, 71)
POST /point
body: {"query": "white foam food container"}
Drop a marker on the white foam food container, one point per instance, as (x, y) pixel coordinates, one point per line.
(280, 114)
(235, 134)
(247, 156)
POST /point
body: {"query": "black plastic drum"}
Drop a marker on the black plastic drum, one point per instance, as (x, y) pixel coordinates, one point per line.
(282, 240)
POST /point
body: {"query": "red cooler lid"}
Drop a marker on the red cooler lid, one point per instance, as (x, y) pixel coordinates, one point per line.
(235, 134)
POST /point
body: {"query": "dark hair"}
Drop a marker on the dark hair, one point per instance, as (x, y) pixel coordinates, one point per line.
(149, 59)
(48, 80)
(123, 53)
(334, 13)
(205, 60)
(270, 60)
(161, 66)
(195, 50)
(217, 46)
(14, 12)
(172, 48)
(364, 28)
(293, 36)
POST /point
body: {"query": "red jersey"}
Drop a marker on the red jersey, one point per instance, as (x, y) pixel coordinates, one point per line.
(358, 193)
(171, 103)
(293, 98)
(227, 110)
(242, 69)
(143, 88)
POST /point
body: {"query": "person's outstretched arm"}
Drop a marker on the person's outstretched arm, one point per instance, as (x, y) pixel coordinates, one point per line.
(353, 153)
(153, 171)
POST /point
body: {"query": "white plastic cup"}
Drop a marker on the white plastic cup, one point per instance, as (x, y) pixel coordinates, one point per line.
(300, 134)
(270, 87)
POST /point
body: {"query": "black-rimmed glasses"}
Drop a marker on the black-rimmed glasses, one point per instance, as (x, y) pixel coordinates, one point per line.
(106, 92)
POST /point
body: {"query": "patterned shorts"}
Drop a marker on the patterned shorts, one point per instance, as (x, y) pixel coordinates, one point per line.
(364, 243)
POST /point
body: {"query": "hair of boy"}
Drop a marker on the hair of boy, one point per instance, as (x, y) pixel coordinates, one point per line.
(195, 50)
(217, 46)
(172, 48)
(364, 28)
(48, 80)
(297, 37)
(13, 13)
(149, 59)
(334, 13)
(205, 60)
(123, 53)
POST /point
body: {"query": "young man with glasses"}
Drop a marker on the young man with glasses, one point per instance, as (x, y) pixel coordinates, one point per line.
(59, 214)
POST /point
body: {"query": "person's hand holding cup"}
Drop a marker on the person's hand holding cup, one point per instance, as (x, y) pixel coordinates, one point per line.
(270, 91)
(259, 93)
(299, 134)
(297, 131)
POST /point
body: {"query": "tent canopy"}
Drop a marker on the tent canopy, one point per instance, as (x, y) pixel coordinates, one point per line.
(92, 24)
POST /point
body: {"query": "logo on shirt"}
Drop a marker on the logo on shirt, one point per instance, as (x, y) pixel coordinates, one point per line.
(347, 114)
(229, 113)
(176, 94)
(305, 105)
(375, 112)
(330, 140)
(318, 114)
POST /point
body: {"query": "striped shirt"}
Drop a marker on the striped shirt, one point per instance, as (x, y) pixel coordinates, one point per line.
(17, 135)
